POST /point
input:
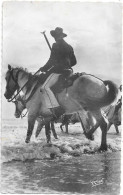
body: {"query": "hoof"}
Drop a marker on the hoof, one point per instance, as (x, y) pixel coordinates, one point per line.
(49, 145)
(36, 136)
(90, 136)
(27, 141)
(48, 141)
(41, 90)
(52, 156)
(102, 149)
(55, 136)
(62, 130)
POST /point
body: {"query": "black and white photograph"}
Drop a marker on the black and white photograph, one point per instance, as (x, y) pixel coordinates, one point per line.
(61, 97)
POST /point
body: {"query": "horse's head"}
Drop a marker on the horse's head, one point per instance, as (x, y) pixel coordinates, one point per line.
(11, 82)
(19, 106)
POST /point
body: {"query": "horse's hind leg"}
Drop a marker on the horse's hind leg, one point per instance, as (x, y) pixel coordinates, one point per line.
(31, 122)
(103, 126)
(116, 127)
(53, 130)
(88, 133)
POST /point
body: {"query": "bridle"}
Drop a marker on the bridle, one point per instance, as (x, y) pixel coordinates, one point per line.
(15, 79)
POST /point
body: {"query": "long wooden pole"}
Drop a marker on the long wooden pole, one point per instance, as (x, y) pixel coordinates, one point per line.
(46, 39)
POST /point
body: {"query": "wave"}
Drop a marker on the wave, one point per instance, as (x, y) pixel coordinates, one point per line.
(64, 149)
(74, 144)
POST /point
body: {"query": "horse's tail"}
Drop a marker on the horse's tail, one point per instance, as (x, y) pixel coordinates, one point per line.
(111, 94)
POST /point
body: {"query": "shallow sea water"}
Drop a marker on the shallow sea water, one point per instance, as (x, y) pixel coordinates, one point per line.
(74, 175)
(22, 172)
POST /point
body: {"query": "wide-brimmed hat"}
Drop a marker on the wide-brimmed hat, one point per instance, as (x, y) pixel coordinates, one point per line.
(58, 32)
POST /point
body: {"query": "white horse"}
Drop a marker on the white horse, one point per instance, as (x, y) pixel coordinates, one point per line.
(87, 92)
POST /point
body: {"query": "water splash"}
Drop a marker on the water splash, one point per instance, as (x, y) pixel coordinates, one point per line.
(67, 146)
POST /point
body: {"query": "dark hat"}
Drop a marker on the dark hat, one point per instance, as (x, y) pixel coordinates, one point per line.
(58, 32)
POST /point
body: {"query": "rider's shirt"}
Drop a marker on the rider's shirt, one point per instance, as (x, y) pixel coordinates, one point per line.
(62, 57)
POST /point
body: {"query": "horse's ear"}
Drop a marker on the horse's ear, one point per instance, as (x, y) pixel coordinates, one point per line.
(9, 67)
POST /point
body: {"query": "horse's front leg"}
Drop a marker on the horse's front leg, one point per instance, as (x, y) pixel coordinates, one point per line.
(31, 123)
(109, 125)
(61, 127)
(53, 130)
(39, 127)
(66, 127)
(48, 132)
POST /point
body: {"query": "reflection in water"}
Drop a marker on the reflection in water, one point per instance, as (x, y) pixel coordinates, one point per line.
(71, 175)
(111, 169)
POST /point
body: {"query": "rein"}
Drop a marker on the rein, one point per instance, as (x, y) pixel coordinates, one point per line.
(16, 80)
(23, 115)
(33, 91)
(10, 100)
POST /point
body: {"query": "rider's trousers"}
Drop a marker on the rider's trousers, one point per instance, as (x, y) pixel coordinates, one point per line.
(50, 99)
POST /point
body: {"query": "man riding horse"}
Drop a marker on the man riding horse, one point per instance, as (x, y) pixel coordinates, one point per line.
(86, 92)
(61, 60)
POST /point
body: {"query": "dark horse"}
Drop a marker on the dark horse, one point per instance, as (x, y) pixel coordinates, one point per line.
(73, 118)
(87, 92)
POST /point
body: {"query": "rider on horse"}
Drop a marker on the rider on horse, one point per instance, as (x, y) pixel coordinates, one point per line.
(61, 60)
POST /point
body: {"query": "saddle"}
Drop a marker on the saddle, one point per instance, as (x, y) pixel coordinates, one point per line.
(65, 82)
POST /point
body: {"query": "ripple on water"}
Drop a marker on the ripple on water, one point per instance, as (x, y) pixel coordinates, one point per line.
(30, 170)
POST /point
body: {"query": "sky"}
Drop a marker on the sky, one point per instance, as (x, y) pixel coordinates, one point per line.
(94, 31)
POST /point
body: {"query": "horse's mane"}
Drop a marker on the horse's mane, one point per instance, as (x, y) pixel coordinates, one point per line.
(35, 77)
